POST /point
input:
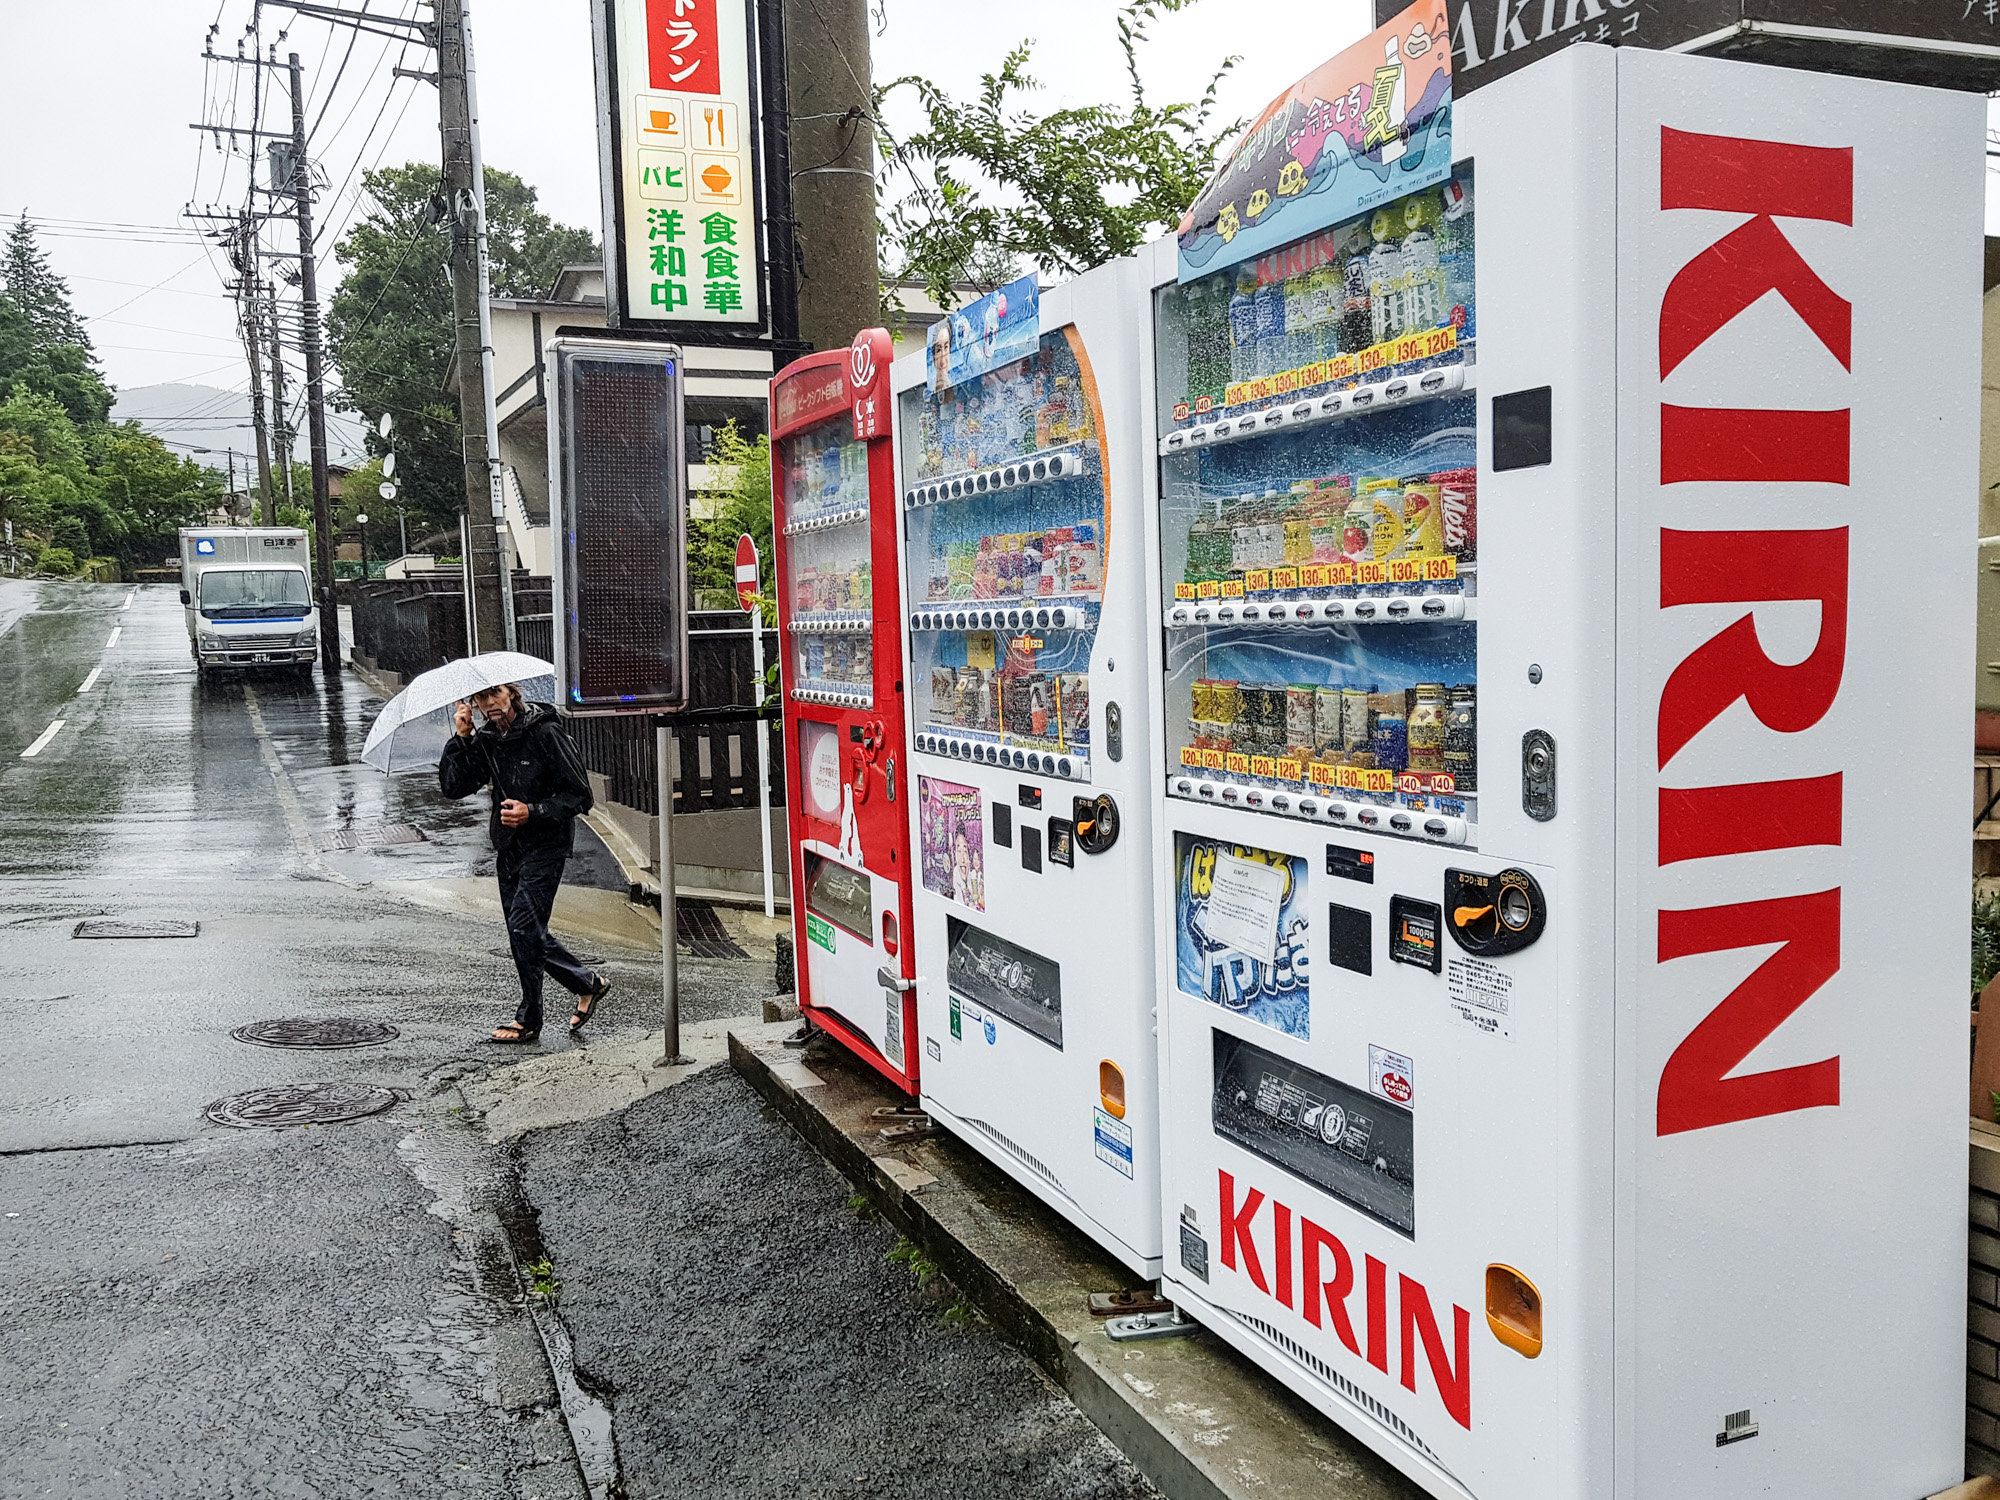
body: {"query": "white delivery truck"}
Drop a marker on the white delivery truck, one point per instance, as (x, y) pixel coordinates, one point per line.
(247, 591)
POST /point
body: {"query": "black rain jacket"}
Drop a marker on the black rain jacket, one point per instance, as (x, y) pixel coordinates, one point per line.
(532, 762)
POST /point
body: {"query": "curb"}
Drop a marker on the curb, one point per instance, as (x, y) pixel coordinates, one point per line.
(1198, 1421)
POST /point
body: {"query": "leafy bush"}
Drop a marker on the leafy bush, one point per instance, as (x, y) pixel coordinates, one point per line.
(1985, 937)
(58, 560)
(71, 536)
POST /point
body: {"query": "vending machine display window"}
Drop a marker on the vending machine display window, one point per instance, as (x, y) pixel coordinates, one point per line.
(831, 593)
(1006, 535)
(1319, 524)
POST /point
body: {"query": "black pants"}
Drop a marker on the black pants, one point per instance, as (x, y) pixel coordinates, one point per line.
(528, 881)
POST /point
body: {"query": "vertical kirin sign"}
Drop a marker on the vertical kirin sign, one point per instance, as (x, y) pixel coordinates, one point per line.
(1798, 293)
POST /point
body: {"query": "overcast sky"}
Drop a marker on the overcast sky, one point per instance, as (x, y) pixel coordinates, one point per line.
(118, 152)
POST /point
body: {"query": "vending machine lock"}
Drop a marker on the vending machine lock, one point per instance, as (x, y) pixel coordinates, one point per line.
(1538, 775)
(1114, 732)
(1491, 915)
(1095, 820)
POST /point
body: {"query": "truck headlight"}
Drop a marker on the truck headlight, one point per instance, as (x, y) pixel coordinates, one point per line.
(306, 638)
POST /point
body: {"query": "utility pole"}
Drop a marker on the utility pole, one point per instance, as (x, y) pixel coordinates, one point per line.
(301, 183)
(249, 321)
(281, 421)
(488, 576)
(832, 154)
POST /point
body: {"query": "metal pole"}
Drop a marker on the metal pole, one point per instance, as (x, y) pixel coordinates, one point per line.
(670, 978)
(763, 755)
(490, 408)
(301, 185)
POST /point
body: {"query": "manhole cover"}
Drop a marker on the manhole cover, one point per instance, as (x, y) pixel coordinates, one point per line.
(300, 1104)
(368, 838)
(111, 928)
(304, 1031)
(588, 960)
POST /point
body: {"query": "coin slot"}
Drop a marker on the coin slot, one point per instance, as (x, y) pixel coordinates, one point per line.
(1111, 1088)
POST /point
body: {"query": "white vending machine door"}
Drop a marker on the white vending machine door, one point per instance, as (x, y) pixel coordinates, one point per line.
(1032, 765)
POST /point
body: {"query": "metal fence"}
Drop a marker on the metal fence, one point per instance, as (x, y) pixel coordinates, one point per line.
(716, 748)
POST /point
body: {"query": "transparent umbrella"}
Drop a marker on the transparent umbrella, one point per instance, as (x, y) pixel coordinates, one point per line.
(410, 733)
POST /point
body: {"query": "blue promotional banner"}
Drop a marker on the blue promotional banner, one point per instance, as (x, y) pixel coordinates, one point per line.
(1369, 125)
(998, 329)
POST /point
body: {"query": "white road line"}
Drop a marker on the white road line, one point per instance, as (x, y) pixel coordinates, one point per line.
(43, 743)
(114, 637)
(128, 601)
(90, 681)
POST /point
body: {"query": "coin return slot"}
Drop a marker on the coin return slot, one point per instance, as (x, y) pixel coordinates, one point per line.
(1514, 1310)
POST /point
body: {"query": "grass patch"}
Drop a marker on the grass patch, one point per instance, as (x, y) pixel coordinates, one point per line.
(542, 1283)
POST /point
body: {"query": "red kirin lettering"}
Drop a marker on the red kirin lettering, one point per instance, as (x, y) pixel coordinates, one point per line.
(1324, 1283)
(1767, 180)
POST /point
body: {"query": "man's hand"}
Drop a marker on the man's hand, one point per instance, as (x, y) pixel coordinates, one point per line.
(513, 814)
(461, 718)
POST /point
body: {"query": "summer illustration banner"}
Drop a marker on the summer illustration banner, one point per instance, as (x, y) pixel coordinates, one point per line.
(1001, 327)
(1370, 124)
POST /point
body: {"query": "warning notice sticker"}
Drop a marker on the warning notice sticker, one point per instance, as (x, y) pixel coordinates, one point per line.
(1481, 995)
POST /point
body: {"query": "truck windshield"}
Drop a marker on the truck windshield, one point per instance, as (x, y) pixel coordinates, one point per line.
(254, 594)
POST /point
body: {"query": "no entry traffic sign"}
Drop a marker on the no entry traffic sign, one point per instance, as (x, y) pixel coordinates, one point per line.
(746, 571)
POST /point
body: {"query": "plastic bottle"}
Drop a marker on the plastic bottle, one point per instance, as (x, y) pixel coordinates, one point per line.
(1422, 272)
(1301, 331)
(1270, 308)
(1324, 304)
(1243, 326)
(1385, 288)
(1357, 313)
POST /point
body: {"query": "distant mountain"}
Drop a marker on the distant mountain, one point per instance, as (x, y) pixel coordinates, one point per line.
(189, 417)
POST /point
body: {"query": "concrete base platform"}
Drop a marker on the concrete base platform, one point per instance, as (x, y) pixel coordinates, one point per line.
(1199, 1421)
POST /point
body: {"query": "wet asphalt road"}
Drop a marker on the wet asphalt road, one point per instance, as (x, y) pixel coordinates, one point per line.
(335, 1310)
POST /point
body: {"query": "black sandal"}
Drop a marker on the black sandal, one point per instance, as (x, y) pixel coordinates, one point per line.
(586, 1006)
(520, 1038)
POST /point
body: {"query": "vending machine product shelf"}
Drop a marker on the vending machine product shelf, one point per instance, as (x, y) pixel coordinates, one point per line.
(1026, 608)
(834, 498)
(1529, 581)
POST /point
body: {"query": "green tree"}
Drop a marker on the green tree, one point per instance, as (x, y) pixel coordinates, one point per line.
(43, 344)
(389, 324)
(746, 507)
(989, 182)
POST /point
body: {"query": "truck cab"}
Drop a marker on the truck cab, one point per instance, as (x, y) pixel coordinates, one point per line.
(247, 594)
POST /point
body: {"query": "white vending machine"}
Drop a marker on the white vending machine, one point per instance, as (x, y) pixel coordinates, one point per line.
(1028, 599)
(1563, 707)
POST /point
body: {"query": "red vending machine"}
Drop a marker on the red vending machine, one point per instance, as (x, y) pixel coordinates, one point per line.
(834, 506)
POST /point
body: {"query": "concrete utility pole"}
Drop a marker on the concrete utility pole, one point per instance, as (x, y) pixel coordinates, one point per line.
(281, 421)
(301, 182)
(486, 571)
(832, 154)
(250, 321)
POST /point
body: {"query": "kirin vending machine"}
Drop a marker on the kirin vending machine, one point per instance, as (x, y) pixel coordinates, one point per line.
(1026, 604)
(833, 483)
(1560, 868)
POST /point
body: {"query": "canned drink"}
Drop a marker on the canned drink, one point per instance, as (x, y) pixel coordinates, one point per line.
(1458, 503)
(1391, 731)
(1328, 740)
(1228, 703)
(1426, 728)
(1357, 728)
(1423, 521)
(1299, 718)
(1202, 700)
(1461, 738)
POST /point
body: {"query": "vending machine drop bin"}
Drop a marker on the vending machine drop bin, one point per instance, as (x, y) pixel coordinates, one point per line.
(1561, 702)
(833, 492)
(1027, 606)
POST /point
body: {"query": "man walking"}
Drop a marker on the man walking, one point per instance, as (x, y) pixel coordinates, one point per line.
(539, 791)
